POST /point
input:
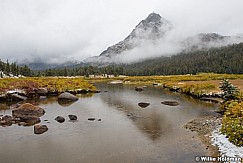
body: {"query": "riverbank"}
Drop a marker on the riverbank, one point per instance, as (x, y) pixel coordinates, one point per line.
(218, 145)
(204, 127)
(20, 89)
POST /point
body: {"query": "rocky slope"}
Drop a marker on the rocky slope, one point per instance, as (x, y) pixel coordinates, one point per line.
(150, 29)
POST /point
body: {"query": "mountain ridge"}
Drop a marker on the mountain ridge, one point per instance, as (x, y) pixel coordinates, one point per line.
(149, 31)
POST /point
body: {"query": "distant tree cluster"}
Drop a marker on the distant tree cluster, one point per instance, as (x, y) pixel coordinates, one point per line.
(82, 71)
(222, 60)
(227, 59)
(13, 68)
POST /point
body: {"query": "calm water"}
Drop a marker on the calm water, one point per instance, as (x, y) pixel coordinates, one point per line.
(154, 135)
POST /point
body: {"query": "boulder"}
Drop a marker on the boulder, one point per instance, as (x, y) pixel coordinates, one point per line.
(143, 104)
(5, 123)
(72, 117)
(40, 129)
(42, 91)
(29, 120)
(139, 89)
(28, 109)
(60, 119)
(67, 96)
(91, 119)
(170, 103)
(6, 120)
(16, 97)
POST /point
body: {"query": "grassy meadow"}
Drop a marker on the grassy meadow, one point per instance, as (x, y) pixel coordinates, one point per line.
(59, 84)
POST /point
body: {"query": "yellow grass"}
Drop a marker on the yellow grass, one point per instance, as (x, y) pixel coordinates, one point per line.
(52, 83)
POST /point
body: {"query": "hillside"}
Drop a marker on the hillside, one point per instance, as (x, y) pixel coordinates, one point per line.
(227, 59)
(221, 60)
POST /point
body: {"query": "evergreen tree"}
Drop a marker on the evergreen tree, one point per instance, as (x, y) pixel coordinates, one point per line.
(230, 92)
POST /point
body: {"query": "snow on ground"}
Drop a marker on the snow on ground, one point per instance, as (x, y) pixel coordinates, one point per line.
(226, 148)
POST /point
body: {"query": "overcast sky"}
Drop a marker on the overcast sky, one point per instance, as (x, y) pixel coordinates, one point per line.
(62, 30)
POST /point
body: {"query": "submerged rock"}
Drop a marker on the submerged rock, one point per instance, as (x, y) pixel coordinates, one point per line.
(40, 129)
(67, 96)
(139, 89)
(21, 120)
(83, 91)
(170, 103)
(60, 119)
(143, 104)
(73, 117)
(28, 109)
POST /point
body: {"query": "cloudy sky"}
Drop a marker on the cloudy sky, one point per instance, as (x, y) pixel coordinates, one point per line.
(62, 30)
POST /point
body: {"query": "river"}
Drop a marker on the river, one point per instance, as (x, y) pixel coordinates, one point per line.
(126, 132)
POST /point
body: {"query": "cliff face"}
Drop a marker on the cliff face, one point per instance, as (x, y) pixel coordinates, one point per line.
(150, 29)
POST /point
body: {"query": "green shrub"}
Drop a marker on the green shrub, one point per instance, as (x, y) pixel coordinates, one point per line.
(233, 128)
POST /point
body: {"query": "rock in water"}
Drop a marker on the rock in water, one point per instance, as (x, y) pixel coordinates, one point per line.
(16, 97)
(30, 120)
(60, 119)
(170, 103)
(40, 129)
(28, 109)
(143, 104)
(73, 117)
(42, 91)
(139, 89)
(67, 96)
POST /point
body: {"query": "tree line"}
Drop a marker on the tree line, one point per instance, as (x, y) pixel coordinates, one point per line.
(14, 69)
(221, 60)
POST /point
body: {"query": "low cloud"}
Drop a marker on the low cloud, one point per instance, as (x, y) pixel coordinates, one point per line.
(60, 30)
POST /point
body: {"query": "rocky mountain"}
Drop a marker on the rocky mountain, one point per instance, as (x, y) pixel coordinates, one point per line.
(150, 29)
(208, 40)
(155, 28)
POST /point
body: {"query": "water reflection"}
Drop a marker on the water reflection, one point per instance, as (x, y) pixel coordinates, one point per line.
(156, 120)
(65, 103)
(127, 133)
(148, 120)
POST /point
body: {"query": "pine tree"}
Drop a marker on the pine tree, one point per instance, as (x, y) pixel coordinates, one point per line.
(230, 92)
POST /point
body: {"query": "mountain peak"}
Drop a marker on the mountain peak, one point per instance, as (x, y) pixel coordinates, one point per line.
(151, 28)
(153, 17)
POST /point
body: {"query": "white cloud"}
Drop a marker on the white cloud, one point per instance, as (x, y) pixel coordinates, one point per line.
(61, 30)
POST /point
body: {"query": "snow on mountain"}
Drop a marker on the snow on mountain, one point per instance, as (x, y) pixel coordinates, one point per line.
(150, 39)
(152, 28)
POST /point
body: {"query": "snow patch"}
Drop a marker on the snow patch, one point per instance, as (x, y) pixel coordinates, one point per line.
(226, 148)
